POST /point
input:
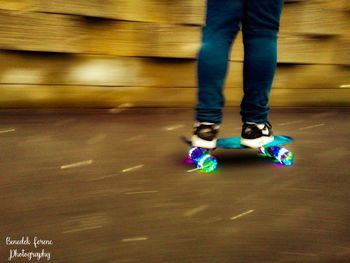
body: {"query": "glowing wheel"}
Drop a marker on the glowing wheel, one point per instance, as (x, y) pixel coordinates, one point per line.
(207, 163)
(282, 155)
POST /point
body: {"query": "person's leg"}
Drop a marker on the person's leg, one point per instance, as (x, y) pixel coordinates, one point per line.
(260, 27)
(222, 23)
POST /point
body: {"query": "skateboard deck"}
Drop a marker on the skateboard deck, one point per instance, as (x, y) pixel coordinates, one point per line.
(205, 161)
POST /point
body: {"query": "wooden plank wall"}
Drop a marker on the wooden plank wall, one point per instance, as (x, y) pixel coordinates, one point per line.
(82, 53)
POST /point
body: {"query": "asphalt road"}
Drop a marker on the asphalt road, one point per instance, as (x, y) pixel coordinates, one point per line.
(112, 186)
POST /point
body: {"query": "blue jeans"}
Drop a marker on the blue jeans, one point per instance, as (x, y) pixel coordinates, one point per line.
(259, 20)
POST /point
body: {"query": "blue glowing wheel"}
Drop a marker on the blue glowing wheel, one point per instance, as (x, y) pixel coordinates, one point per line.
(285, 157)
(207, 163)
(282, 155)
(196, 153)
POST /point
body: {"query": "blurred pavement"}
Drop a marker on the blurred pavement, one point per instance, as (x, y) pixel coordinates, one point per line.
(111, 186)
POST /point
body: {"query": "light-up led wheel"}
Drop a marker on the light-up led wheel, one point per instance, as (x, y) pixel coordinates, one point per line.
(264, 151)
(195, 153)
(282, 155)
(207, 163)
(285, 157)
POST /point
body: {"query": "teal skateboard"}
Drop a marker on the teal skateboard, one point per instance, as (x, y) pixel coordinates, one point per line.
(204, 160)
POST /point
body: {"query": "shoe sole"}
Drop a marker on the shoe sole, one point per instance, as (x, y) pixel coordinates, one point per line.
(198, 142)
(256, 143)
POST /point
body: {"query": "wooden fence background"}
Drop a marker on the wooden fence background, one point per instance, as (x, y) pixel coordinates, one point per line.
(110, 53)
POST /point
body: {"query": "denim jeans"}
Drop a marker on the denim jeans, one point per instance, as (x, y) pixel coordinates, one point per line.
(259, 22)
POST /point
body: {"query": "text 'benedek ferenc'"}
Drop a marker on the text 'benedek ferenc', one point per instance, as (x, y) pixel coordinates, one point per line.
(35, 243)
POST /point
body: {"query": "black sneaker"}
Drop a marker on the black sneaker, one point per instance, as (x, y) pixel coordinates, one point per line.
(255, 135)
(205, 135)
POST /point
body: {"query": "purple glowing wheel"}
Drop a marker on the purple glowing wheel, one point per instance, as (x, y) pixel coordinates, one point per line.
(195, 153)
(202, 158)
